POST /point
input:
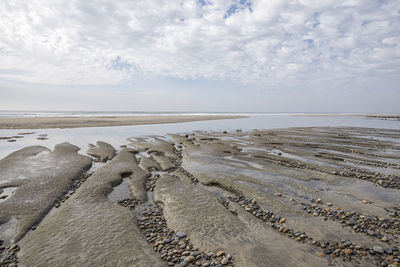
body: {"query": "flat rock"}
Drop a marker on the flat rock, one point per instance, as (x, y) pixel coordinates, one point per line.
(211, 228)
(89, 229)
(41, 177)
(102, 151)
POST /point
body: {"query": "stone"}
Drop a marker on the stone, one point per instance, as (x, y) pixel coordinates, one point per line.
(224, 261)
(365, 201)
(351, 222)
(378, 249)
(190, 259)
(220, 253)
(370, 232)
(348, 251)
(181, 234)
(185, 253)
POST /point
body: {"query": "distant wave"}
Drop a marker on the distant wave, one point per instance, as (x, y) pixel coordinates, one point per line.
(158, 113)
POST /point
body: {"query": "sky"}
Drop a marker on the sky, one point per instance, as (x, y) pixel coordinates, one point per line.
(200, 55)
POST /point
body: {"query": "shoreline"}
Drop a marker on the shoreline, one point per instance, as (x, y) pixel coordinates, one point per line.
(102, 121)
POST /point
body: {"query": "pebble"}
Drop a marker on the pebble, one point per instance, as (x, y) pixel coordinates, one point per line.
(365, 201)
(181, 234)
(224, 261)
(378, 249)
(348, 251)
(190, 259)
(370, 232)
(220, 253)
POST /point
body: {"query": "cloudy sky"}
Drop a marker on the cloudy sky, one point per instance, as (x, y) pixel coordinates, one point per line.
(200, 55)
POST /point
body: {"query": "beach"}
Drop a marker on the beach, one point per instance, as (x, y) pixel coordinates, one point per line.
(100, 121)
(303, 196)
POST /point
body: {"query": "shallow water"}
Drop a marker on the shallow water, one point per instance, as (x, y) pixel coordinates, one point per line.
(7, 193)
(118, 135)
(121, 191)
(8, 231)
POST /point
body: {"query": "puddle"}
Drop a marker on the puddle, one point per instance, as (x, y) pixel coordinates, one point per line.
(380, 138)
(244, 163)
(150, 199)
(8, 231)
(6, 193)
(121, 191)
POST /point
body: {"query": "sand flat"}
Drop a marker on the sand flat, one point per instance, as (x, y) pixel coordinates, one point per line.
(312, 196)
(101, 121)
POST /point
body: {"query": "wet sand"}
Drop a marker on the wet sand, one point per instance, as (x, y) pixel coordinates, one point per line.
(312, 196)
(76, 122)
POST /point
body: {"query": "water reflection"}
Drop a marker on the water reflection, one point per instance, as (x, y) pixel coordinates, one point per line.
(118, 135)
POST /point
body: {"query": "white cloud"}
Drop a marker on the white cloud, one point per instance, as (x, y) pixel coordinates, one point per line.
(263, 43)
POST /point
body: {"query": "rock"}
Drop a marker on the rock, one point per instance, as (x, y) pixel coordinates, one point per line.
(348, 251)
(347, 244)
(190, 259)
(181, 234)
(329, 204)
(224, 261)
(370, 232)
(378, 249)
(384, 239)
(351, 222)
(365, 201)
(102, 151)
(220, 253)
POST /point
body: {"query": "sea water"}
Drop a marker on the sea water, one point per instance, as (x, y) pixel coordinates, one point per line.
(118, 135)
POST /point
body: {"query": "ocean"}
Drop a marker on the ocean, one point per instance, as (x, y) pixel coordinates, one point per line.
(118, 135)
